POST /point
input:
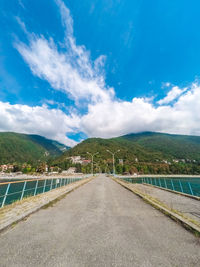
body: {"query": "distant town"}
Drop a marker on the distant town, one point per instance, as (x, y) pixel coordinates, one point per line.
(43, 167)
(76, 165)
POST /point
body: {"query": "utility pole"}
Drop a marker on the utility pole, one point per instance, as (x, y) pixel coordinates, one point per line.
(92, 155)
(113, 154)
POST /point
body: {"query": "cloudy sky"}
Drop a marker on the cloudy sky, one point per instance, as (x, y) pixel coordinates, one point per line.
(75, 69)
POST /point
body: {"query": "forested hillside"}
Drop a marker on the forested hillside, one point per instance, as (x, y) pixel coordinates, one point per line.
(20, 148)
(146, 152)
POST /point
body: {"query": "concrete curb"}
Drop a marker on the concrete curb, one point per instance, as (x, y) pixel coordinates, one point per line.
(178, 218)
(43, 205)
(175, 192)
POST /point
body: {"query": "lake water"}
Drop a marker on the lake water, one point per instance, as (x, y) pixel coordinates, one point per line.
(187, 185)
(33, 187)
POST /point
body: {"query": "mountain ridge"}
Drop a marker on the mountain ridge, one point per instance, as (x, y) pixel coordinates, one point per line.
(18, 147)
(161, 151)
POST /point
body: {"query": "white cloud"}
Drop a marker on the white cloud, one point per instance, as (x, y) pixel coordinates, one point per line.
(106, 119)
(72, 71)
(172, 95)
(167, 84)
(21, 4)
(51, 123)
(116, 118)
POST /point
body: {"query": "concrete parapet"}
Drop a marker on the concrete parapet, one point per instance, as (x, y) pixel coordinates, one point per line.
(176, 215)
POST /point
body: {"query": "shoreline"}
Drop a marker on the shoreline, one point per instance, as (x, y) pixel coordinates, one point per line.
(44, 176)
(160, 176)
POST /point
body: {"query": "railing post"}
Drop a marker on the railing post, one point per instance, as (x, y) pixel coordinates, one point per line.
(181, 186)
(23, 190)
(51, 184)
(36, 188)
(5, 196)
(165, 182)
(45, 181)
(160, 183)
(57, 182)
(191, 188)
(172, 185)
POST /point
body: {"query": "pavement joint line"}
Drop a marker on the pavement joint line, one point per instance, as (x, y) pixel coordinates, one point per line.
(173, 191)
(76, 185)
(164, 209)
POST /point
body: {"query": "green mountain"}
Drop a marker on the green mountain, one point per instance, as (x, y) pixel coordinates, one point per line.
(147, 146)
(16, 147)
(165, 146)
(140, 150)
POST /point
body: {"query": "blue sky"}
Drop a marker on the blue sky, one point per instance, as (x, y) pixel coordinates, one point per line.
(74, 69)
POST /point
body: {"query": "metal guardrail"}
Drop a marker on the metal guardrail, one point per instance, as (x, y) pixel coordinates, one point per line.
(13, 191)
(186, 186)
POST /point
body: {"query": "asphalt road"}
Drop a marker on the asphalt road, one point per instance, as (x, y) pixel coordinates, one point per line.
(99, 224)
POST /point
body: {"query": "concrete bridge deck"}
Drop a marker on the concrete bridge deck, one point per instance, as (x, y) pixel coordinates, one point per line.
(99, 224)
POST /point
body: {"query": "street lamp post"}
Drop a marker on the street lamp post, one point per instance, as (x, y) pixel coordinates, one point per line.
(113, 154)
(92, 155)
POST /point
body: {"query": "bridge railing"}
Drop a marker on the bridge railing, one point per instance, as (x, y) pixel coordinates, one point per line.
(182, 185)
(17, 190)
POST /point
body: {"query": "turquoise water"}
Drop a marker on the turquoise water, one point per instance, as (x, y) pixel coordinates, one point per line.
(34, 187)
(185, 185)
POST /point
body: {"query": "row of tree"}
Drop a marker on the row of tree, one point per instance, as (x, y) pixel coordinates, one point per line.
(107, 167)
(138, 168)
